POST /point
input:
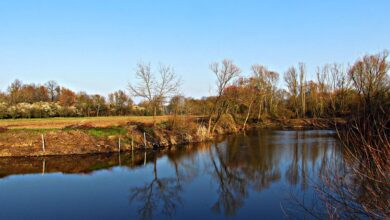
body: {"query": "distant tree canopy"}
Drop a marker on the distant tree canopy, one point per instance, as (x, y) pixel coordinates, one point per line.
(335, 92)
(52, 100)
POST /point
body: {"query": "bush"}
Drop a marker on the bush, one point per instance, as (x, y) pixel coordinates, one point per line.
(202, 133)
(227, 123)
(3, 110)
(182, 124)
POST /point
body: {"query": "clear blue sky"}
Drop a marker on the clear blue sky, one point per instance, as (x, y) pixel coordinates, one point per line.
(94, 45)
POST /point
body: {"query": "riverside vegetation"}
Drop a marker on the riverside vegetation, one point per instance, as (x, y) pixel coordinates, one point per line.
(358, 94)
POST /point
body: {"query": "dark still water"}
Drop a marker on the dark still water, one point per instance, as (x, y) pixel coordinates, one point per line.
(258, 175)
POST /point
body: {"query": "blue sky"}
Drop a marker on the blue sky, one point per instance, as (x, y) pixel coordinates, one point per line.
(94, 45)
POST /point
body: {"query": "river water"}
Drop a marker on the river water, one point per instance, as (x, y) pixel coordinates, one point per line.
(262, 174)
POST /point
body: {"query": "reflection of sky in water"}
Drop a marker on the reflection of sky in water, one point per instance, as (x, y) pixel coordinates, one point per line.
(245, 176)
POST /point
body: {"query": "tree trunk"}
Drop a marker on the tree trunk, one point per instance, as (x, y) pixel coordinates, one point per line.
(216, 122)
(260, 109)
(154, 115)
(209, 124)
(247, 115)
(219, 115)
(214, 109)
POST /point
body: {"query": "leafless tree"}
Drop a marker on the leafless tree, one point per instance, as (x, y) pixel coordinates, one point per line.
(291, 79)
(296, 84)
(14, 91)
(155, 90)
(339, 84)
(302, 88)
(266, 87)
(370, 78)
(259, 72)
(322, 77)
(53, 89)
(224, 73)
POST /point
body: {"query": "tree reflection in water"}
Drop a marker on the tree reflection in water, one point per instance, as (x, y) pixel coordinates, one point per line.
(232, 186)
(246, 173)
(237, 167)
(161, 195)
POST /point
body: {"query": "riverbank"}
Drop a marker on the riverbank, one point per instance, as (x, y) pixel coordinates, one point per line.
(87, 138)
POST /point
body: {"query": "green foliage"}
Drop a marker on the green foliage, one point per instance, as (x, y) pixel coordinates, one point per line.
(105, 132)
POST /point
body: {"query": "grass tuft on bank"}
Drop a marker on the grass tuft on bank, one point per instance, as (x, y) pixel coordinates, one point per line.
(106, 132)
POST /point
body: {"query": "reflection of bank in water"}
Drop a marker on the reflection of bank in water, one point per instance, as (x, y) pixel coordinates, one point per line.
(89, 163)
(69, 164)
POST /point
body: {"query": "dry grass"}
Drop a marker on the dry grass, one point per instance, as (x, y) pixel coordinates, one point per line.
(59, 123)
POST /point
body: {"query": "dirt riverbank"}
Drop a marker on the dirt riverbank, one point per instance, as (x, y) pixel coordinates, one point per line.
(86, 139)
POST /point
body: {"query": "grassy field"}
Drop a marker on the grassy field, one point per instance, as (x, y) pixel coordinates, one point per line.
(58, 123)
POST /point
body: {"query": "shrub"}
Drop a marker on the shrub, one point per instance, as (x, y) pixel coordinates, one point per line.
(3, 110)
(182, 124)
(202, 133)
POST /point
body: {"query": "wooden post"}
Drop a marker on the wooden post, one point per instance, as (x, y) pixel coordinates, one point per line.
(145, 159)
(144, 140)
(43, 143)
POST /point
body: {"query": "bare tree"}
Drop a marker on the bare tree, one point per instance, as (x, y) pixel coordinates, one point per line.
(53, 89)
(338, 85)
(322, 76)
(224, 73)
(297, 88)
(266, 87)
(291, 78)
(302, 88)
(370, 78)
(154, 90)
(14, 91)
(120, 102)
(244, 92)
(259, 73)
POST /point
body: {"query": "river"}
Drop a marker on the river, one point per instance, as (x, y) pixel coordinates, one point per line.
(260, 174)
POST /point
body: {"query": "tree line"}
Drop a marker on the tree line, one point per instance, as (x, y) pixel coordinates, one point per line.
(52, 100)
(336, 91)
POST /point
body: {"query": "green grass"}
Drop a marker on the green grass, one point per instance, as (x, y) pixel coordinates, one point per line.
(105, 132)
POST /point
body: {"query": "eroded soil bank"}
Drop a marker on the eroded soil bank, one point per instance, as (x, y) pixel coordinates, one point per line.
(86, 139)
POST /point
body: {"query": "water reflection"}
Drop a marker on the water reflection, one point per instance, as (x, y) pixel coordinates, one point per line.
(160, 195)
(238, 173)
(85, 164)
(238, 166)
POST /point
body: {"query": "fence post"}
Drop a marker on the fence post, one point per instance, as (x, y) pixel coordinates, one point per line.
(43, 143)
(144, 140)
